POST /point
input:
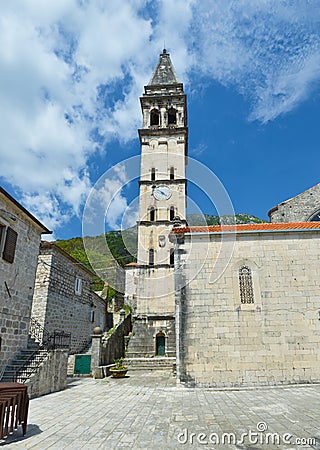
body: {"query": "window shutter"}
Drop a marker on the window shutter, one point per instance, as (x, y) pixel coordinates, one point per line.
(10, 245)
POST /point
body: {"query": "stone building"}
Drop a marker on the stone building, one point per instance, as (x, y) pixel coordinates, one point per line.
(304, 207)
(252, 320)
(237, 305)
(20, 235)
(63, 299)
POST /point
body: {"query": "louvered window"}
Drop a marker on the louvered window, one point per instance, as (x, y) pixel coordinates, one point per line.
(10, 245)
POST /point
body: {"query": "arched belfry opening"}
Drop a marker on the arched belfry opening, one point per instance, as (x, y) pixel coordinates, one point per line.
(172, 116)
(160, 344)
(154, 117)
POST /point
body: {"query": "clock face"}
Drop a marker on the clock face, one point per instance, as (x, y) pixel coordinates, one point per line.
(315, 218)
(162, 193)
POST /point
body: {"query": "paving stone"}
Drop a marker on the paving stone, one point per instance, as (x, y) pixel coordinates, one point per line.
(147, 411)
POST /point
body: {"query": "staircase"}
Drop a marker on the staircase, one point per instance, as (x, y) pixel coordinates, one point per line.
(25, 363)
(155, 363)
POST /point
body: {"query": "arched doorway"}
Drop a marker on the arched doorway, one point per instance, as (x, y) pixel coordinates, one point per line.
(160, 344)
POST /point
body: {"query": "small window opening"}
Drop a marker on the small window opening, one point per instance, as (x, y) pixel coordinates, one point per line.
(152, 214)
(172, 173)
(151, 257)
(78, 286)
(172, 213)
(172, 116)
(153, 174)
(155, 117)
(171, 257)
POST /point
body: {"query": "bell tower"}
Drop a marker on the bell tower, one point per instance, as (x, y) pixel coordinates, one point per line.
(164, 144)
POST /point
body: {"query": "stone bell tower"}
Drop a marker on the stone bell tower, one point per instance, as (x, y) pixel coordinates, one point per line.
(164, 144)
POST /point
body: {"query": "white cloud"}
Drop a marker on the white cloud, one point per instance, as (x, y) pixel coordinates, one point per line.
(53, 59)
(68, 67)
(268, 49)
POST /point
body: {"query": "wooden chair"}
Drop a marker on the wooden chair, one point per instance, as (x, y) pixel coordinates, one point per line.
(16, 396)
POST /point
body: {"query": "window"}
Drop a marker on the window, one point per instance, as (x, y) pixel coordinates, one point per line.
(152, 214)
(172, 257)
(154, 117)
(172, 116)
(153, 174)
(151, 257)
(9, 245)
(92, 316)
(172, 173)
(245, 284)
(2, 234)
(78, 286)
(171, 214)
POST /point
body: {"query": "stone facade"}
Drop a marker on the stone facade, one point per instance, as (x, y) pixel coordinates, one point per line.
(63, 299)
(302, 208)
(16, 277)
(164, 142)
(51, 376)
(258, 323)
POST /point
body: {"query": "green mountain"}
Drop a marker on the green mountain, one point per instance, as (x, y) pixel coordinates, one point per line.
(106, 253)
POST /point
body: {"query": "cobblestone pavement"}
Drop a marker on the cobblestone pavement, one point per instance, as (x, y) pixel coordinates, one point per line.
(147, 411)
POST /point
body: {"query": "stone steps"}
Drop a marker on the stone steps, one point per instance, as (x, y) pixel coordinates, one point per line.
(155, 363)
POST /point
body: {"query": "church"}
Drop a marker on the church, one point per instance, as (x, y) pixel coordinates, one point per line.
(233, 305)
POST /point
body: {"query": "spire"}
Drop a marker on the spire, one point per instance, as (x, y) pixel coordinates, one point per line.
(164, 72)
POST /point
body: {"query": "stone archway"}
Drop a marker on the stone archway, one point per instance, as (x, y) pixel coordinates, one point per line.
(160, 344)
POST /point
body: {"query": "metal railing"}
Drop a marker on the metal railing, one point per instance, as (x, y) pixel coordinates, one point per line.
(46, 340)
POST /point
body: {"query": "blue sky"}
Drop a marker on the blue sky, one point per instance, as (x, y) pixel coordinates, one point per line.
(71, 74)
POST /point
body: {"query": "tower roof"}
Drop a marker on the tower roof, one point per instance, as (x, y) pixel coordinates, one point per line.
(164, 72)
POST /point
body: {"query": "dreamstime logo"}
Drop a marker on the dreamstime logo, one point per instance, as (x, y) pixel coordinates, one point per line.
(258, 436)
(107, 202)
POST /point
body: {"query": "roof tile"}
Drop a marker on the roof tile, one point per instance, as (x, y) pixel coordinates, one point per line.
(288, 226)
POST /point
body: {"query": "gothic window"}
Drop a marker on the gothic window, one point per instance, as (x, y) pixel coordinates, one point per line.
(245, 284)
(172, 116)
(152, 214)
(151, 257)
(172, 173)
(153, 174)
(172, 213)
(154, 117)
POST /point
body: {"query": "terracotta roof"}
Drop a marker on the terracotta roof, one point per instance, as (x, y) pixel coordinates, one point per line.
(132, 264)
(264, 227)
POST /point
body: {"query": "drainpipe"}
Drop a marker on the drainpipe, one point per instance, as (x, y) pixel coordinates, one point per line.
(176, 240)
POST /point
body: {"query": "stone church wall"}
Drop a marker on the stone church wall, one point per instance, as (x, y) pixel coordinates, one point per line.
(57, 306)
(298, 209)
(276, 339)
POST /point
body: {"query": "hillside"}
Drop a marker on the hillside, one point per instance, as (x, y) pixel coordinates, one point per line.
(122, 246)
